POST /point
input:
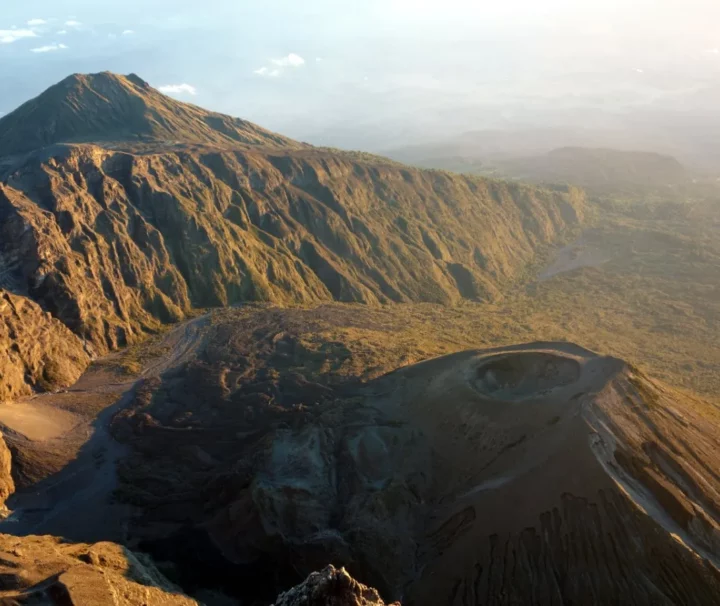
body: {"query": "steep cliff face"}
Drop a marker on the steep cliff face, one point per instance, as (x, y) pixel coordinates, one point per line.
(7, 484)
(112, 243)
(38, 351)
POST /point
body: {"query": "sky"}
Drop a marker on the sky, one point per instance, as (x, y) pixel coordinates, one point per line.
(376, 73)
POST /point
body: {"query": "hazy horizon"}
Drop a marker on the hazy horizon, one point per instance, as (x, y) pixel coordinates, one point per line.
(395, 73)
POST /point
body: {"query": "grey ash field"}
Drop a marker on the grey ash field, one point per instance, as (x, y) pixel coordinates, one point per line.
(233, 359)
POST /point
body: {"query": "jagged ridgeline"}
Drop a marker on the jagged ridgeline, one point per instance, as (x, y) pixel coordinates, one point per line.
(121, 209)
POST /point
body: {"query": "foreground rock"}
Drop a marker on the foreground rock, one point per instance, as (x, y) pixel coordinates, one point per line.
(44, 570)
(331, 587)
(531, 474)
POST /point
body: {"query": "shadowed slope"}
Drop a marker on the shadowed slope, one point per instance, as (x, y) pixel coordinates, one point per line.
(574, 479)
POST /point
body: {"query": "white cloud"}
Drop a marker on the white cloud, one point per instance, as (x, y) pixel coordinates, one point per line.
(292, 60)
(178, 89)
(128, 32)
(318, 59)
(713, 51)
(266, 71)
(8, 36)
(50, 48)
(36, 22)
(62, 32)
(72, 23)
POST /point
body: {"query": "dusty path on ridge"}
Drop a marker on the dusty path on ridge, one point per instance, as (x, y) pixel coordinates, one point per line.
(574, 256)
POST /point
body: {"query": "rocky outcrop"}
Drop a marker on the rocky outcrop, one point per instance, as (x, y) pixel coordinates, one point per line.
(7, 484)
(46, 570)
(331, 587)
(39, 352)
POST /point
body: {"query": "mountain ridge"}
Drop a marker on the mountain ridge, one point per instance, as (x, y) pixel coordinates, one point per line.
(105, 107)
(598, 168)
(116, 239)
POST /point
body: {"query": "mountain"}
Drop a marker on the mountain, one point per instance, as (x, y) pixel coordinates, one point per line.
(598, 169)
(343, 385)
(470, 150)
(111, 108)
(599, 165)
(127, 210)
(529, 474)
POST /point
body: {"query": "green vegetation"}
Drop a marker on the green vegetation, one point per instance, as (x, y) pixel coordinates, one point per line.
(656, 304)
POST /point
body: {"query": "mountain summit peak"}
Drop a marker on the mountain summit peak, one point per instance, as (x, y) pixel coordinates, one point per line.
(111, 108)
(99, 82)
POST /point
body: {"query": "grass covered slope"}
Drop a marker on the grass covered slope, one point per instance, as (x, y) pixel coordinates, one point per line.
(655, 300)
(117, 242)
(598, 169)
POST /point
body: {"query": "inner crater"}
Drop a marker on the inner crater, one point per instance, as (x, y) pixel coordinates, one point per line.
(523, 375)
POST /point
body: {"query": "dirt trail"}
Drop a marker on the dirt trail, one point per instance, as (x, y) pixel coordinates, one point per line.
(76, 503)
(574, 256)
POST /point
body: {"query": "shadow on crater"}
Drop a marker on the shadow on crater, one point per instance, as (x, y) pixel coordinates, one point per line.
(524, 375)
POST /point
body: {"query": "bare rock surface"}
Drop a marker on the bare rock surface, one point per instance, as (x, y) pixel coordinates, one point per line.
(331, 587)
(45, 570)
(7, 483)
(39, 352)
